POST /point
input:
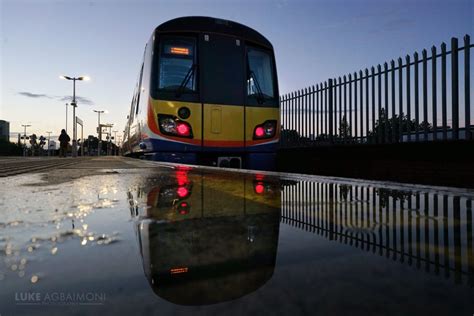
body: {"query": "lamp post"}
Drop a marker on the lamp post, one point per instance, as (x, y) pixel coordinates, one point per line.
(115, 141)
(49, 136)
(67, 104)
(74, 105)
(99, 131)
(24, 138)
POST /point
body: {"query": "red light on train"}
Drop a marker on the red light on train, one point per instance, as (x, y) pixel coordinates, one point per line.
(265, 130)
(182, 192)
(179, 50)
(259, 188)
(183, 129)
(259, 131)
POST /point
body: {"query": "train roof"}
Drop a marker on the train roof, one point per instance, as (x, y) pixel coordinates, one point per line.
(213, 25)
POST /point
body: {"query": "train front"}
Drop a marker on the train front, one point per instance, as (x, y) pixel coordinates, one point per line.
(213, 95)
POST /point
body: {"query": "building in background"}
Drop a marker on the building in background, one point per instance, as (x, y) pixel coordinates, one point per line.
(4, 130)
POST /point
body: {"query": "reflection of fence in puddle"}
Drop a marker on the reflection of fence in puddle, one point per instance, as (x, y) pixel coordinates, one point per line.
(426, 229)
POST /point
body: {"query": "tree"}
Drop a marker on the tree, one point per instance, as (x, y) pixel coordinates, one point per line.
(344, 128)
(387, 127)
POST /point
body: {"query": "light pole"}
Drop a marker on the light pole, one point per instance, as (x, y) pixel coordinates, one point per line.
(49, 136)
(24, 138)
(99, 131)
(74, 104)
(67, 104)
(115, 141)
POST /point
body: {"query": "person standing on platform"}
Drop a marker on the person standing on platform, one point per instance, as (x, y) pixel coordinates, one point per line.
(63, 143)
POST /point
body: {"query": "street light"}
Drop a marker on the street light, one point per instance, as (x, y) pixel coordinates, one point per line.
(74, 104)
(99, 130)
(24, 138)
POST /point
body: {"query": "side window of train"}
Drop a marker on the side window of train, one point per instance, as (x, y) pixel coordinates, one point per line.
(139, 89)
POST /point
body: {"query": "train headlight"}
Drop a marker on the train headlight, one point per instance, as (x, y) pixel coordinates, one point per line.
(168, 125)
(171, 125)
(265, 130)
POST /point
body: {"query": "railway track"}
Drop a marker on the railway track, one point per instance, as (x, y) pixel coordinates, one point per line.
(14, 166)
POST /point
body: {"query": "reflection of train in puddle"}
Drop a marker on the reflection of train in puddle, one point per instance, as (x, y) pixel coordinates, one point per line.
(205, 238)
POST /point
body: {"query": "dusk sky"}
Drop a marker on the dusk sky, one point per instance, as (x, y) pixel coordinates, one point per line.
(313, 41)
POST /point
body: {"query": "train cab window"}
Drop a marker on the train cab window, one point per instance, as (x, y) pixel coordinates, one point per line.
(177, 65)
(260, 80)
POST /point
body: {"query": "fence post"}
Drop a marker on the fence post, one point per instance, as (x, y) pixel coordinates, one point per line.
(345, 109)
(326, 129)
(374, 132)
(433, 93)
(361, 89)
(379, 102)
(355, 106)
(408, 99)
(385, 131)
(467, 86)
(455, 86)
(330, 94)
(318, 109)
(425, 95)
(340, 109)
(313, 114)
(444, 111)
(350, 107)
(393, 119)
(367, 107)
(293, 116)
(400, 99)
(417, 98)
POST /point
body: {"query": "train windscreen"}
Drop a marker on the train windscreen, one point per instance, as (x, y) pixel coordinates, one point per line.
(260, 82)
(177, 64)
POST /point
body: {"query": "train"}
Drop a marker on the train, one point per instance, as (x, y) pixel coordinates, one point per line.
(206, 94)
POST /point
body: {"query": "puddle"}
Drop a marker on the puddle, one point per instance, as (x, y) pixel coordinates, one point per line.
(184, 240)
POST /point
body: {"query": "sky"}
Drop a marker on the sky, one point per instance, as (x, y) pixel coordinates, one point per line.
(313, 41)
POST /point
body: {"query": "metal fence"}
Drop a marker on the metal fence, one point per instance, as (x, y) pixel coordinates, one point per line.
(398, 102)
(426, 229)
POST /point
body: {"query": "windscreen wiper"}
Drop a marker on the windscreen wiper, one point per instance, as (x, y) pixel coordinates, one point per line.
(185, 81)
(260, 96)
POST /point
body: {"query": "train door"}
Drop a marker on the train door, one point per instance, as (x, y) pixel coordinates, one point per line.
(222, 90)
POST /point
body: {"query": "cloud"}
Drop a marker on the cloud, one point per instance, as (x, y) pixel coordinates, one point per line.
(66, 98)
(79, 100)
(34, 95)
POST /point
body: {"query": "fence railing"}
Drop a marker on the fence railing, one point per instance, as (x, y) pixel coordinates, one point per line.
(404, 101)
(430, 230)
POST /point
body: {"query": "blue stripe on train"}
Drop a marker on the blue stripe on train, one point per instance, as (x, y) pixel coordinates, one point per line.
(155, 145)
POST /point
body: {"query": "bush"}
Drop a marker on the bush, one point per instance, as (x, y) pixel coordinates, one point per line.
(9, 149)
